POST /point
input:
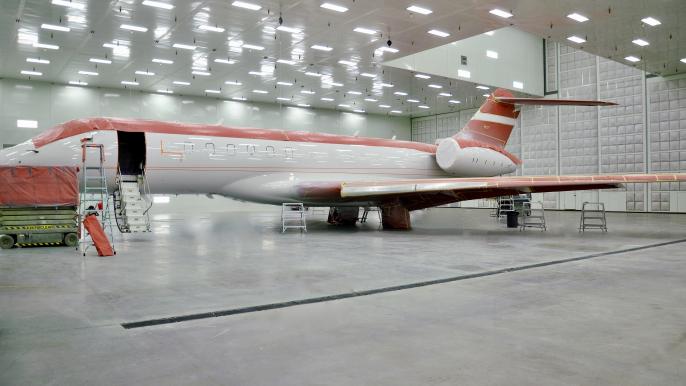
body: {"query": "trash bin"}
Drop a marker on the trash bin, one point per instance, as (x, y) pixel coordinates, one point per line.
(512, 219)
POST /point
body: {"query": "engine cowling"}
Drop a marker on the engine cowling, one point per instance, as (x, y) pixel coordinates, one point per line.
(471, 161)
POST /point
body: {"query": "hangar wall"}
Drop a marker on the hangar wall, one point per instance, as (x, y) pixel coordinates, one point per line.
(645, 133)
(50, 104)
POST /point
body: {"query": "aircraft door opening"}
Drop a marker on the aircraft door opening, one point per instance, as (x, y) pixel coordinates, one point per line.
(131, 152)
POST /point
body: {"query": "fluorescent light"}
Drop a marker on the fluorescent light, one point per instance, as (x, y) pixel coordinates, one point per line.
(303, 105)
(258, 73)
(501, 13)
(102, 61)
(130, 83)
(157, 4)
(224, 61)
(412, 101)
(651, 21)
(310, 92)
(239, 98)
(385, 85)
(385, 106)
(492, 54)
(489, 33)
(453, 101)
(55, 27)
(183, 46)
(354, 92)
(482, 87)
(283, 99)
(130, 27)
(632, 59)
(35, 60)
(146, 73)
(517, 84)
(34, 73)
(363, 30)
(396, 112)
(27, 124)
(418, 9)
(260, 92)
(423, 107)
(576, 39)
(161, 199)
(371, 100)
(439, 33)
(289, 29)
(286, 61)
(76, 19)
(213, 91)
(683, 60)
(387, 49)
(348, 63)
(435, 86)
(343, 105)
(46, 46)
(368, 75)
(211, 28)
(327, 99)
(92, 73)
(464, 74)
(445, 94)
(284, 83)
(640, 42)
(400, 93)
(201, 73)
(310, 73)
(233, 83)
(70, 4)
(181, 83)
(334, 7)
(162, 61)
(422, 76)
(252, 47)
(577, 17)
(246, 5)
(321, 47)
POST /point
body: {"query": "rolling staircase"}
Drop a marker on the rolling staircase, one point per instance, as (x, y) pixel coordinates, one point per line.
(130, 205)
(94, 201)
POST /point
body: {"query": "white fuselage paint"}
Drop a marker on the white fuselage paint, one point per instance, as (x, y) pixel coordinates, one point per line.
(266, 171)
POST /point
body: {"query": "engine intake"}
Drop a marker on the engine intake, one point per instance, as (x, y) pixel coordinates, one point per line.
(471, 161)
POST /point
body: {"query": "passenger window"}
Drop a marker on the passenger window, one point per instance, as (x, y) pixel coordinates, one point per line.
(288, 152)
(231, 149)
(270, 151)
(252, 149)
(210, 147)
(188, 147)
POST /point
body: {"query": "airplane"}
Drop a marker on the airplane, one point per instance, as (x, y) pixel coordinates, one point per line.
(317, 169)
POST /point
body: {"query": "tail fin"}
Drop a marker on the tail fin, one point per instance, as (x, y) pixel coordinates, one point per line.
(492, 124)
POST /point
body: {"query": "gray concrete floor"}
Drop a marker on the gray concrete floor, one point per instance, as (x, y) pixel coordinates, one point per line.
(618, 319)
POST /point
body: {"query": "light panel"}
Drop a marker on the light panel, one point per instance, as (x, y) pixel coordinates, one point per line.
(91, 73)
(130, 27)
(162, 61)
(78, 83)
(439, 33)
(189, 47)
(27, 124)
(224, 61)
(210, 28)
(419, 10)
(632, 59)
(577, 17)
(321, 47)
(246, 5)
(31, 73)
(500, 13)
(53, 27)
(334, 7)
(158, 4)
(363, 30)
(69, 4)
(576, 39)
(38, 60)
(651, 21)
(640, 42)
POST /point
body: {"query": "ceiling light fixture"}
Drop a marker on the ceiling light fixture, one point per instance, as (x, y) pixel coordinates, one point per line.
(233, 83)
(385, 106)
(454, 101)
(438, 33)
(464, 74)
(683, 60)
(162, 61)
(78, 83)
(651, 21)
(211, 28)
(239, 98)
(27, 124)
(358, 110)
(101, 61)
(492, 54)
(371, 100)
(310, 73)
(385, 85)
(343, 105)
(198, 72)
(183, 46)
(396, 112)
(46, 46)
(91, 73)
(334, 7)
(400, 93)
(146, 73)
(577, 17)
(422, 76)
(368, 75)
(209, 91)
(181, 83)
(55, 27)
(418, 9)
(387, 49)
(283, 99)
(576, 39)
(321, 47)
(252, 47)
(129, 83)
(640, 42)
(500, 13)
(130, 27)
(412, 101)
(157, 4)
(489, 33)
(348, 63)
(258, 73)
(165, 91)
(224, 61)
(366, 31)
(423, 107)
(445, 94)
(34, 73)
(289, 29)
(260, 92)
(284, 83)
(303, 105)
(246, 5)
(354, 92)
(307, 92)
(435, 86)
(482, 87)
(632, 59)
(286, 61)
(70, 4)
(35, 60)
(327, 99)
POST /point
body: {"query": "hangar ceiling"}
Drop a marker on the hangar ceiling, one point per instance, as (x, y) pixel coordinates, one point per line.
(321, 56)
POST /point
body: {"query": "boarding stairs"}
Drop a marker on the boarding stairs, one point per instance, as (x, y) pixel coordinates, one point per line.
(132, 203)
(94, 199)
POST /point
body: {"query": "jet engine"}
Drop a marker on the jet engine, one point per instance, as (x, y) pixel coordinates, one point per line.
(472, 161)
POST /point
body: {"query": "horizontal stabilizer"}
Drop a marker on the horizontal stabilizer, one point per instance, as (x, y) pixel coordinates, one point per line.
(553, 102)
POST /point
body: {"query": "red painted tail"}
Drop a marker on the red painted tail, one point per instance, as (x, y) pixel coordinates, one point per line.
(493, 123)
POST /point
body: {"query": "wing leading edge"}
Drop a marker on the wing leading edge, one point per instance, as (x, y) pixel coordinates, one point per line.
(424, 193)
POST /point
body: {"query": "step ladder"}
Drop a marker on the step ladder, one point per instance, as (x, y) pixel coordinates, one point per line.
(593, 216)
(293, 216)
(532, 216)
(367, 209)
(94, 198)
(504, 205)
(130, 206)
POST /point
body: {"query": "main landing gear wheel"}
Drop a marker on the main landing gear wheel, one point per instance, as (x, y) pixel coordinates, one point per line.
(71, 239)
(6, 241)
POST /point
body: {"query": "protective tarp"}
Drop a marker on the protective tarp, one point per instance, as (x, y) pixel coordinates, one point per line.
(102, 244)
(38, 186)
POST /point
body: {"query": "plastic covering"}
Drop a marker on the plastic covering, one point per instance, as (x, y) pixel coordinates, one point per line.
(38, 186)
(102, 244)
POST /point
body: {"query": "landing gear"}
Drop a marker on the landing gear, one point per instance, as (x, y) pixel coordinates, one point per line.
(343, 215)
(395, 217)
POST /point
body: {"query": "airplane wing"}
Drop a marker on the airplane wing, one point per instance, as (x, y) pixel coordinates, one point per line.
(554, 102)
(424, 193)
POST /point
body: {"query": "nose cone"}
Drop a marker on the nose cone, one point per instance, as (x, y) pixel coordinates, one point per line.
(15, 155)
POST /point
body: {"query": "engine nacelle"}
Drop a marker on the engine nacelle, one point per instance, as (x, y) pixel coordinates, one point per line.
(472, 161)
